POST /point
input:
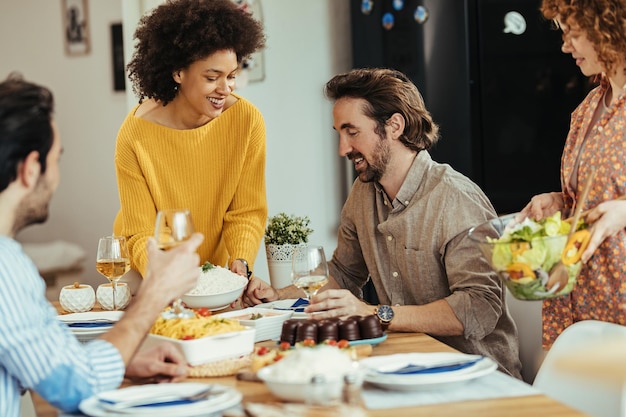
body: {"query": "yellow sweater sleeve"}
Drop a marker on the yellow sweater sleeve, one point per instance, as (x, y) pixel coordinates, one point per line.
(217, 171)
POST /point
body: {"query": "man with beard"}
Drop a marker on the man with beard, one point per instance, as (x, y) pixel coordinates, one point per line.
(37, 351)
(405, 226)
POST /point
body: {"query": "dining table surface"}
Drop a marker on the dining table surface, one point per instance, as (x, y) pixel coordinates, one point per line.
(534, 403)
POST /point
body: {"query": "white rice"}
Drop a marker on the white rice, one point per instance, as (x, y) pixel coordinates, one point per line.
(218, 280)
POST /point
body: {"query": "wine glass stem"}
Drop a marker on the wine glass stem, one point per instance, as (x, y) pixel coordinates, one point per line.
(113, 291)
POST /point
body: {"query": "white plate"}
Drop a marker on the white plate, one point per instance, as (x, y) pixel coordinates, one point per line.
(412, 382)
(95, 408)
(284, 305)
(91, 315)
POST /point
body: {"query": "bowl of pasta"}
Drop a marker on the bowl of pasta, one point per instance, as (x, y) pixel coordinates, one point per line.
(216, 289)
(202, 339)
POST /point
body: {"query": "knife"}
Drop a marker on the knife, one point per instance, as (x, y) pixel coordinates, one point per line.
(412, 369)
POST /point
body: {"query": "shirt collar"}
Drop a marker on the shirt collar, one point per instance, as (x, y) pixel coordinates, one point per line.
(418, 169)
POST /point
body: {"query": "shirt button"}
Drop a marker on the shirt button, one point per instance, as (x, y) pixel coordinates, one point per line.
(389, 237)
(395, 274)
(406, 203)
(385, 202)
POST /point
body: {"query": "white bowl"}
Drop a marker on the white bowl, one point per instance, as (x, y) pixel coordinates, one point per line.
(203, 295)
(268, 327)
(324, 392)
(209, 348)
(291, 378)
(213, 302)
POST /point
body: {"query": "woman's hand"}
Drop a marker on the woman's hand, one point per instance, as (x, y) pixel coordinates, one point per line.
(541, 206)
(257, 292)
(608, 218)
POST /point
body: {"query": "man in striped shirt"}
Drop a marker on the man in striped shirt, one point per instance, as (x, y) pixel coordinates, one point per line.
(37, 351)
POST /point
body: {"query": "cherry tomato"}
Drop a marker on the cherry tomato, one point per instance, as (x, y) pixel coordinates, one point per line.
(343, 343)
(188, 337)
(262, 350)
(330, 342)
(284, 346)
(308, 342)
(204, 312)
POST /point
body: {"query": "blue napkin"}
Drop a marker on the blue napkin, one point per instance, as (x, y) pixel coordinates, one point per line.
(298, 306)
(85, 324)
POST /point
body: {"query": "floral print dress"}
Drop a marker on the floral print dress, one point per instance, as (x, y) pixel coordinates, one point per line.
(600, 292)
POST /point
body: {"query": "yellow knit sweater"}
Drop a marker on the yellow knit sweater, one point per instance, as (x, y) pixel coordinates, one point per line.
(217, 171)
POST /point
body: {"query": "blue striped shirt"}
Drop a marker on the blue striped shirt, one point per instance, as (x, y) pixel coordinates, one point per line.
(39, 352)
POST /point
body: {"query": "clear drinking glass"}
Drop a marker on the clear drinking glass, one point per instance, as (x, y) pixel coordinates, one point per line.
(173, 227)
(112, 260)
(309, 270)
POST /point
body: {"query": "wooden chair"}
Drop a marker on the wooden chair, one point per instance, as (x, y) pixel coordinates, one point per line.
(599, 394)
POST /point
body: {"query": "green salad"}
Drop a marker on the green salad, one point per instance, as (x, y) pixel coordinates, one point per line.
(526, 252)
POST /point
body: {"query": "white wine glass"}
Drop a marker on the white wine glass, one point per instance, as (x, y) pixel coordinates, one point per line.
(173, 227)
(309, 270)
(112, 261)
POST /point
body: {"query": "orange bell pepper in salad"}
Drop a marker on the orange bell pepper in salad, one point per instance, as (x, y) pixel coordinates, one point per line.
(575, 247)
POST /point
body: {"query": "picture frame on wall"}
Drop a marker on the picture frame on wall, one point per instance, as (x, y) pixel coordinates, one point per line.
(76, 27)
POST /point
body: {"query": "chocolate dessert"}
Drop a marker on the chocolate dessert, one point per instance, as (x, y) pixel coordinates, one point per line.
(370, 327)
(289, 330)
(327, 330)
(349, 330)
(306, 330)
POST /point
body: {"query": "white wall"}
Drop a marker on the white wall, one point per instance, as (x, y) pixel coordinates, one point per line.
(308, 42)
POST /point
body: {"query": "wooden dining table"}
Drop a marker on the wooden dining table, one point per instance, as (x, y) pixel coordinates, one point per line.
(522, 406)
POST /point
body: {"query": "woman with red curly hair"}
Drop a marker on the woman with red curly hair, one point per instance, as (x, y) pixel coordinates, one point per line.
(594, 33)
(190, 142)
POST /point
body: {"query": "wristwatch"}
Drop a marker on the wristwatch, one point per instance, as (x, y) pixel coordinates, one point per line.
(248, 270)
(384, 314)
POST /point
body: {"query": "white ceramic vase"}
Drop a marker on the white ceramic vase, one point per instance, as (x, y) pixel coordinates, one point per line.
(279, 263)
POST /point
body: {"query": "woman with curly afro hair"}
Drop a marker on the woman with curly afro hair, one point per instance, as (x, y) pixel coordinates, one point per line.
(190, 142)
(594, 33)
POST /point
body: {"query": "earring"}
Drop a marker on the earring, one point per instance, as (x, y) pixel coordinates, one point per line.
(176, 87)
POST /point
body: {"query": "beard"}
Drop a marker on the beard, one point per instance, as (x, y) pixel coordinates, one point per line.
(34, 207)
(376, 168)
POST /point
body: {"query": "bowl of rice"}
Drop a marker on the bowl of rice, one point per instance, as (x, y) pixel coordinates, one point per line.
(217, 288)
(310, 374)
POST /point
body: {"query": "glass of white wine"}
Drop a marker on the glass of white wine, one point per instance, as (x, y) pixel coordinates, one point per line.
(309, 270)
(112, 260)
(173, 227)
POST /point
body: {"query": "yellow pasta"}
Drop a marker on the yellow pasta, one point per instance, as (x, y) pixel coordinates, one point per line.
(195, 327)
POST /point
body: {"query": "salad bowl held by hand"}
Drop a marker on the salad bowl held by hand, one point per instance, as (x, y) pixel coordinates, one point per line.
(523, 254)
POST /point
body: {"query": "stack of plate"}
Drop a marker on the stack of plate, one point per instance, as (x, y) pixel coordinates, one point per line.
(186, 399)
(417, 371)
(267, 323)
(91, 324)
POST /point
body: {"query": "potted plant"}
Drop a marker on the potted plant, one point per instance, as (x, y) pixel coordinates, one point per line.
(284, 233)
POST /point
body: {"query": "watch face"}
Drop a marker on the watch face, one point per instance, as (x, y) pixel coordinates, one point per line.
(385, 313)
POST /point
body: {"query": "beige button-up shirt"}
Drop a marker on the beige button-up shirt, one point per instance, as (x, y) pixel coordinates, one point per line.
(416, 250)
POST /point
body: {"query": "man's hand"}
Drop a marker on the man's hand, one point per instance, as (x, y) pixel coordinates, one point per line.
(162, 363)
(337, 303)
(174, 272)
(257, 292)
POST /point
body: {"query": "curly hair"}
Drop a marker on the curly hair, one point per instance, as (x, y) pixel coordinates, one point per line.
(386, 92)
(603, 21)
(25, 125)
(180, 32)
